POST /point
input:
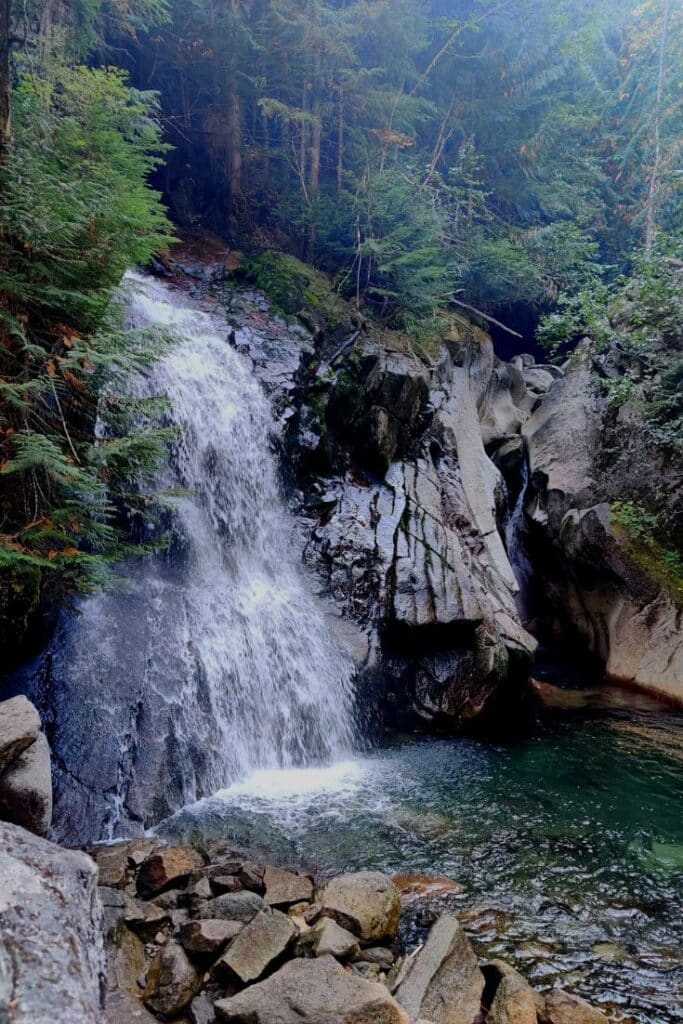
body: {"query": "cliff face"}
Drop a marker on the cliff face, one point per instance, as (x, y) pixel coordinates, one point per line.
(604, 583)
(402, 509)
(408, 469)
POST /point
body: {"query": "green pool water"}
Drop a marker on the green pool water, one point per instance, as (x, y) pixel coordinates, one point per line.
(569, 843)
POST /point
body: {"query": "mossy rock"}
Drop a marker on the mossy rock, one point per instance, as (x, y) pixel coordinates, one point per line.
(296, 289)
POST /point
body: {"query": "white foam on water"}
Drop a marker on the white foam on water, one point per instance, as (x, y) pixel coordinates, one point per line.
(292, 783)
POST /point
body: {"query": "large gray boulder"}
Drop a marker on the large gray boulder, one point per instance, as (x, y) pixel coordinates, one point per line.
(19, 728)
(514, 1001)
(443, 982)
(259, 945)
(51, 952)
(232, 906)
(172, 982)
(366, 903)
(560, 1007)
(282, 888)
(312, 992)
(26, 789)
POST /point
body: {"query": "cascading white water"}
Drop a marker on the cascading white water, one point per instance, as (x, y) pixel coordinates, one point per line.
(280, 689)
(515, 541)
(217, 660)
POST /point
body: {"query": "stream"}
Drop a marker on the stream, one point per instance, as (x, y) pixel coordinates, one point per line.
(569, 844)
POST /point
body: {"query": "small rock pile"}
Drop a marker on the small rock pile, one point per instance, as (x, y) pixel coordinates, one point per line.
(210, 936)
(25, 774)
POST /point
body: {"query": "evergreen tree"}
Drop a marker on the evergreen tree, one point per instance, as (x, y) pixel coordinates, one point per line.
(76, 212)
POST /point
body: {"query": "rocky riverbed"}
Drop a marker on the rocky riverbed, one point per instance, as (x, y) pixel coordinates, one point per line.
(208, 934)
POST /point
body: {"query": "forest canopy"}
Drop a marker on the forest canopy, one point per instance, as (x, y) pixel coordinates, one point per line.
(503, 151)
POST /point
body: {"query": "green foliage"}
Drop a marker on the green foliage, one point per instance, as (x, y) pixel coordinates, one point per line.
(641, 318)
(583, 314)
(76, 212)
(77, 207)
(400, 264)
(644, 529)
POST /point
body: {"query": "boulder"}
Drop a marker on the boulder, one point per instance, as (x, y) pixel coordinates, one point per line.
(51, 955)
(327, 938)
(116, 862)
(284, 888)
(205, 888)
(251, 876)
(313, 912)
(259, 944)
(208, 936)
(19, 728)
(365, 903)
(413, 887)
(514, 1000)
(232, 906)
(26, 788)
(312, 992)
(145, 918)
(219, 884)
(166, 868)
(378, 955)
(562, 1007)
(538, 379)
(443, 982)
(172, 982)
(201, 1010)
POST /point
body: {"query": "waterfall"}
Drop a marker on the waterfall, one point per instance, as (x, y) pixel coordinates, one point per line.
(515, 540)
(214, 660)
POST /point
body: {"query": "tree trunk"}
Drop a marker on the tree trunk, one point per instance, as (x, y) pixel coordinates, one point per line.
(303, 142)
(234, 144)
(266, 148)
(316, 141)
(5, 79)
(234, 129)
(314, 174)
(654, 183)
(340, 143)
